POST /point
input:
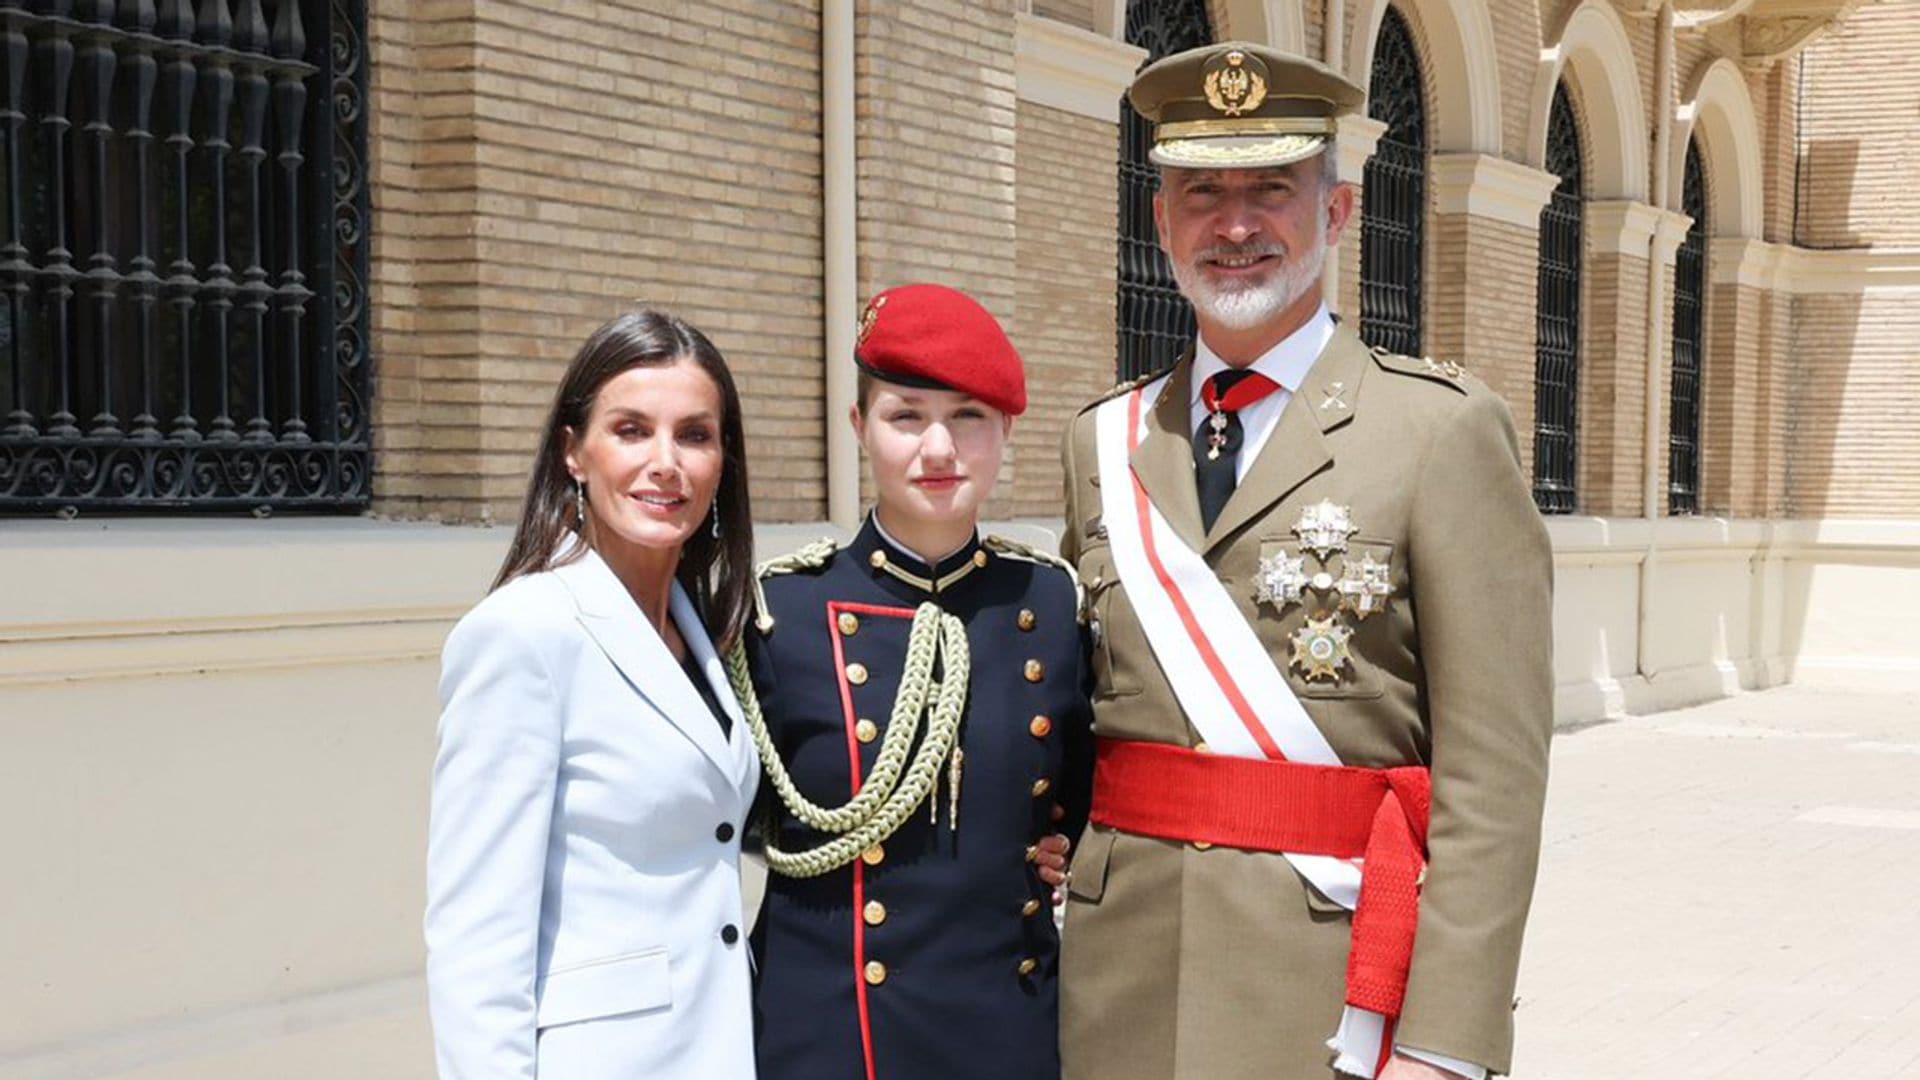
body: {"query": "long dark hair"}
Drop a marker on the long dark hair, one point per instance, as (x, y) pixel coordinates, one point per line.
(718, 574)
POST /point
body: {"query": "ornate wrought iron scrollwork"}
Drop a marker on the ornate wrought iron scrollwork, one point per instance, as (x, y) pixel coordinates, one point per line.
(1394, 211)
(208, 157)
(1557, 318)
(1155, 321)
(1689, 342)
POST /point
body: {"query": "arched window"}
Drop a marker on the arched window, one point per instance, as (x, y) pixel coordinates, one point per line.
(1155, 321)
(1556, 350)
(1394, 211)
(1689, 343)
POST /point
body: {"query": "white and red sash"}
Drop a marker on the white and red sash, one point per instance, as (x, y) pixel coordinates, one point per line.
(1226, 681)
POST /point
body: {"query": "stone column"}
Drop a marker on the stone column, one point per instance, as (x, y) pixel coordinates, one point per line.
(1354, 144)
(1480, 301)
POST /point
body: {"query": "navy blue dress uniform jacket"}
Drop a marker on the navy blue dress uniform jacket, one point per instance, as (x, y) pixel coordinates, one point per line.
(935, 955)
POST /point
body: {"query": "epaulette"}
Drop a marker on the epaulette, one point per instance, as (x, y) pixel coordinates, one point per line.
(1013, 549)
(1445, 372)
(813, 556)
(1126, 387)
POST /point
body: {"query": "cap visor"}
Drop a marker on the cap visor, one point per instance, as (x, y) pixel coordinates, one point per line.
(1236, 152)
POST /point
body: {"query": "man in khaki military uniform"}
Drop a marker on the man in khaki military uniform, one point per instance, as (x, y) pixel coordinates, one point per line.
(1332, 561)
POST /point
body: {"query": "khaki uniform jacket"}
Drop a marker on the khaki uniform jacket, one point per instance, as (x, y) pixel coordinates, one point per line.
(1182, 963)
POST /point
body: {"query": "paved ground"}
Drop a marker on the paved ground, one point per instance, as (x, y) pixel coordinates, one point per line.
(1731, 891)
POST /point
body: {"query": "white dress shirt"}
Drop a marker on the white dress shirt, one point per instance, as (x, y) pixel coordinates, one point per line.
(1287, 363)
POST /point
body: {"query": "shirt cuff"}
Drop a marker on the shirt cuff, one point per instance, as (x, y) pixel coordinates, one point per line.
(1453, 1065)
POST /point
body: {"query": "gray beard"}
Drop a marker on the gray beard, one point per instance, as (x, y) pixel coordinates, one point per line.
(1248, 307)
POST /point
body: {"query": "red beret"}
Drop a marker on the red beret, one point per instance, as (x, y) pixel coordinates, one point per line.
(940, 338)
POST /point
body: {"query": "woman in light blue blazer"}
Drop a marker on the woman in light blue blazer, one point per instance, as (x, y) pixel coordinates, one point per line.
(583, 884)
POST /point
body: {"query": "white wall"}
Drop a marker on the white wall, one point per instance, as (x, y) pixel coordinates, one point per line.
(218, 736)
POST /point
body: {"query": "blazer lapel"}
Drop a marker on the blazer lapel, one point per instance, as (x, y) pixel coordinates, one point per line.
(738, 745)
(613, 620)
(1164, 459)
(1297, 450)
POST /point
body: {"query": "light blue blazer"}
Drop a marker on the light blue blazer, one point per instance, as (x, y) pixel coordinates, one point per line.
(583, 859)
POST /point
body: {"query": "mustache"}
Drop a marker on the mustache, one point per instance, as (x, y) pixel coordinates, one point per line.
(1241, 251)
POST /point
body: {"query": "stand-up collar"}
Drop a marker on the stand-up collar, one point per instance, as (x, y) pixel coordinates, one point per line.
(887, 559)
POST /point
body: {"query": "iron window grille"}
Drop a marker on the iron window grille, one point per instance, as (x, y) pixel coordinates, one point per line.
(1556, 378)
(1155, 321)
(1393, 212)
(1689, 343)
(184, 256)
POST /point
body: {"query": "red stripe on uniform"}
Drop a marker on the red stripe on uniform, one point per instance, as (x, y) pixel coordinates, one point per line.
(1200, 640)
(859, 868)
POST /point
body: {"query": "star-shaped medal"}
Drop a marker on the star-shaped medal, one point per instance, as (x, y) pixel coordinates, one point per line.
(1323, 528)
(1366, 586)
(1281, 580)
(1320, 648)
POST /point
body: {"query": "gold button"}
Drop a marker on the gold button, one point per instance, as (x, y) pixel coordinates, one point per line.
(1201, 845)
(1033, 852)
(1202, 748)
(1028, 620)
(866, 730)
(849, 622)
(875, 913)
(1036, 671)
(876, 973)
(1029, 965)
(980, 558)
(874, 855)
(857, 674)
(877, 560)
(1041, 787)
(1041, 727)
(1030, 908)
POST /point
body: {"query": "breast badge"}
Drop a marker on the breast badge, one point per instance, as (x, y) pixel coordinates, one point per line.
(1320, 648)
(1324, 527)
(1341, 584)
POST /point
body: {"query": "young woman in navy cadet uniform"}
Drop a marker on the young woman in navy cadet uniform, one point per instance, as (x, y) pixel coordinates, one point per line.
(911, 937)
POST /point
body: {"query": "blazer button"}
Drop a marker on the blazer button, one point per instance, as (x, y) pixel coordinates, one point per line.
(1035, 671)
(866, 730)
(724, 833)
(1028, 965)
(876, 973)
(1041, 787)
(857, 674)
(1028, 620)
(874, 855)
(1040, 727)
(730, 933)
(1030, 908)
(875, 913)
(849, 623)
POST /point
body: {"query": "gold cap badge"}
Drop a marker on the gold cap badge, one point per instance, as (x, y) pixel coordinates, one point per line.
(868, 318)
(1235, 82)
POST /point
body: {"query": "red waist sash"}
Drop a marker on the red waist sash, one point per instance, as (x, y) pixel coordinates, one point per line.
(1170, 792)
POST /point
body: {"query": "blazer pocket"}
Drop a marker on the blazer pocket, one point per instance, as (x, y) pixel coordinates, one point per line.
(629, 983)
(1089, 880)
(1102, 582)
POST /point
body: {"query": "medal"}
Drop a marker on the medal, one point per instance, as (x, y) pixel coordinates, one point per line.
(1365, 586)
(1281, 580)
(1323, 528)
(1216, 438)
(1320, 648)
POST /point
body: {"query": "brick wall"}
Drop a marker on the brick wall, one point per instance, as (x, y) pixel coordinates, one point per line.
(1613, 381)
(1067, 222)
(1860, 151)
(536, 173)
(1851, 406)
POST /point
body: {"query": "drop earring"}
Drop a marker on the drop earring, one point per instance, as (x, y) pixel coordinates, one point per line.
(579, 506)
(716, 521)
